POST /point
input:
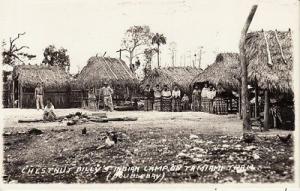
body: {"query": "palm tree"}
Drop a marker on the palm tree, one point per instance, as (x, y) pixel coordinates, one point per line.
(158, 39)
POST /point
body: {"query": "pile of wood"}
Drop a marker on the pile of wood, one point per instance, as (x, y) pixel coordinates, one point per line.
(79, 118)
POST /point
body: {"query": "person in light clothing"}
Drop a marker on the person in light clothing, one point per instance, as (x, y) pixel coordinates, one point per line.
(49, 114)
(204, 91)
(166, 101)
(157, 98)
(176, 99)
(39, 95)
(211, 94)
(106, 92)
(204, 100)
(185, 102)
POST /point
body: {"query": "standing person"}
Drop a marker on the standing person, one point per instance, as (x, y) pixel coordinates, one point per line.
(196, 99)
(92, 100)
(148, 98)
(185, 102)
(211, 94)
(219, 104)
(49, 114)
(39, 96)
(157, 98)
(106, 92)
(204, 100)
(166, 99)
(176, 99)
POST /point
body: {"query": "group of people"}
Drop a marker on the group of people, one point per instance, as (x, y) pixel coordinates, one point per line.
(164, 99)
(105, 95)
(207, 99)
(202, 100)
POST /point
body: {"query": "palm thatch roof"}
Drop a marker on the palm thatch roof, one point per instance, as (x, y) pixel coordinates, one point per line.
(51, 76)
(180, 76)
(225, 71)
(105, 69)
(270, 58)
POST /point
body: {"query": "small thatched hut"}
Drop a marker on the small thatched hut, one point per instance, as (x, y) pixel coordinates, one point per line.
(225, 71)
(111, 70)
(180, 76)
(26, 77)
(106, 69)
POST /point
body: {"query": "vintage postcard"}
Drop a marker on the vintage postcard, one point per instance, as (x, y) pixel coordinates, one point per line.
(164, 93)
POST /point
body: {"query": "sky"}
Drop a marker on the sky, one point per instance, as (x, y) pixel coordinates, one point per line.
(88, 27)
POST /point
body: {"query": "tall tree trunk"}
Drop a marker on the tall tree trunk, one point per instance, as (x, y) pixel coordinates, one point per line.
(130, 61)
(243, 60)
(240, 104)
(267, 111)
(130, 57)
(158, 55)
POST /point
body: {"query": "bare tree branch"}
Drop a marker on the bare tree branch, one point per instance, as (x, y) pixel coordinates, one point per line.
(19, 34)
(17, 58)
(17, 49)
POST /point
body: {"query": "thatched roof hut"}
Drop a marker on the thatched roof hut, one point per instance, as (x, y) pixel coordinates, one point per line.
(225, 71)
(270, 63)
(180, 76)
(105, 69)
(29, 76)
(55, 82)
(270, 58)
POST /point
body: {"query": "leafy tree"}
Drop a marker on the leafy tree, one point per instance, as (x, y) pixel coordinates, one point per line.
(158, 39)
(14, 53)
(135, 40)
(56, 57)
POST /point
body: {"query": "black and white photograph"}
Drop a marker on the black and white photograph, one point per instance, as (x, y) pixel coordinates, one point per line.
(149, 92)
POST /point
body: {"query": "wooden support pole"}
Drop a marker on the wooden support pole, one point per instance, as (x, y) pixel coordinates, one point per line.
(240, 104)
(19, 96)
(13, 94)
(274, 122)
(267, 111)
(256, 110)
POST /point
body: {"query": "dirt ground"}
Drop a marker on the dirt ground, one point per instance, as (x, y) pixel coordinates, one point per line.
(158, 147)
(195, 121)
